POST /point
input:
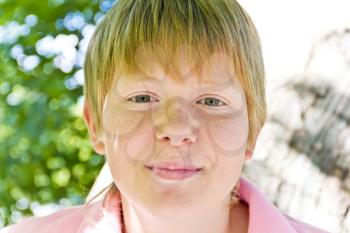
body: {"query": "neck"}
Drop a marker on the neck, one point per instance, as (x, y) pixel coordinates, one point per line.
(204, 221)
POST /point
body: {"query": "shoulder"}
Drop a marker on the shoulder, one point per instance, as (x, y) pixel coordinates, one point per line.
(302, 227)
(265, 216)
(67, 220)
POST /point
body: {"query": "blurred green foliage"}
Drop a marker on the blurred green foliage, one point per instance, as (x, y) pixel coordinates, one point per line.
(45, 154)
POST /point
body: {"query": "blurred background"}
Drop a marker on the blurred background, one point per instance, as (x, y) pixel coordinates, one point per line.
(302, 158)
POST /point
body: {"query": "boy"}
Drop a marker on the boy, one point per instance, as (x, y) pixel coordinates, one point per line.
(175, 100)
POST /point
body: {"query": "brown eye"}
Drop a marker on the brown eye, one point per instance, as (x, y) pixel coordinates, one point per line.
(210, 101)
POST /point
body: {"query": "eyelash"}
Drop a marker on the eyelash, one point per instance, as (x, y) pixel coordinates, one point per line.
(212, 98)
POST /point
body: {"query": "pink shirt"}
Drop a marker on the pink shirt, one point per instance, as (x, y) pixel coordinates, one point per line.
(104, 216)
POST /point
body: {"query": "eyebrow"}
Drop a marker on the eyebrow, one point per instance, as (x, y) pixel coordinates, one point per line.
(149, 78)
(208, 84)
(219, 86)
(203, 81)
(217, 83)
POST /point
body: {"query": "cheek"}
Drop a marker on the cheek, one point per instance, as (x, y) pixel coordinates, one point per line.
(227, 135)
(118, 120)
(139, 147)
(229, 170)
(128, 134)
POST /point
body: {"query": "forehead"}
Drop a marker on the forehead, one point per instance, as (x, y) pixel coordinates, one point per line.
(191, 79)
(216, 69)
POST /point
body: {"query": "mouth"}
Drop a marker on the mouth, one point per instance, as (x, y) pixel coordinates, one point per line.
(173, 171)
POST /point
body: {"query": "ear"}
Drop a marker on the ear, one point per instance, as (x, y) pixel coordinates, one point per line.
(248, 154)
(250, 149)
(97, 143)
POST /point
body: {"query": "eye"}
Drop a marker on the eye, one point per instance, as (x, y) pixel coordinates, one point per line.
(211, 101)
(141, 98)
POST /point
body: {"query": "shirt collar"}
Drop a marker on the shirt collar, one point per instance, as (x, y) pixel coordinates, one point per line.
(104, 215)
(263, 215)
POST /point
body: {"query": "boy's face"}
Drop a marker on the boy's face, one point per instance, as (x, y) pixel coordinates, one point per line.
(201, 123)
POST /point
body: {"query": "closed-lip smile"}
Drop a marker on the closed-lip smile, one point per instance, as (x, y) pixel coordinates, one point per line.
(173, 166)
(173, 171)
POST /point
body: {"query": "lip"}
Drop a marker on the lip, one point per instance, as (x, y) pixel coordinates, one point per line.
(173, 166)
(178, 174)
(172, 171)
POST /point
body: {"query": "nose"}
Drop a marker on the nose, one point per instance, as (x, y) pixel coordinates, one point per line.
(176, 125)
(177, 135)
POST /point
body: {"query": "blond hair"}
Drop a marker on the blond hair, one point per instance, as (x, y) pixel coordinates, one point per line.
(207, 25)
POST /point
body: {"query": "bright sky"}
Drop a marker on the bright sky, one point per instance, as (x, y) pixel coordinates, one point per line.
(289, 28)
